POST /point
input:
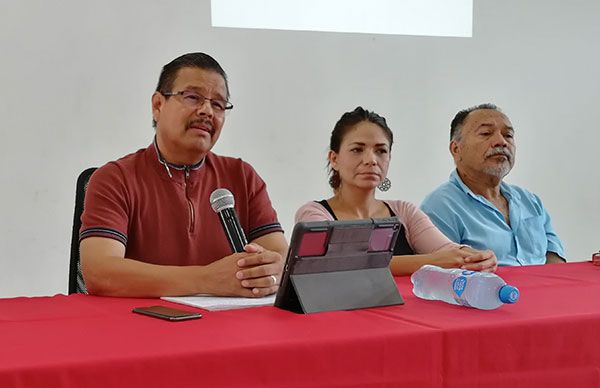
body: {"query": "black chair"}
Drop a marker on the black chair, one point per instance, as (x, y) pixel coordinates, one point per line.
(76, 283)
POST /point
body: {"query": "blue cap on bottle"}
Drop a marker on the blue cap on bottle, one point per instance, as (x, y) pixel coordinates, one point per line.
(509, 294)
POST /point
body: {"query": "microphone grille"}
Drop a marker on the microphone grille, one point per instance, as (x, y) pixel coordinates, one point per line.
(221, 199)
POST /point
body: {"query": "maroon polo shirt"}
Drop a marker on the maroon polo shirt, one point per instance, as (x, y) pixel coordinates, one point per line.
(168, 220)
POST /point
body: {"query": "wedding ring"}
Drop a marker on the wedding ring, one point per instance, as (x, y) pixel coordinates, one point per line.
(274, 279)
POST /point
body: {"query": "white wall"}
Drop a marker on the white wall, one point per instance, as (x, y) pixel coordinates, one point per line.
(77, 76)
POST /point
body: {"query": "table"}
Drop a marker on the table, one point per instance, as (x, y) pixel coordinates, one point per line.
(546, 339)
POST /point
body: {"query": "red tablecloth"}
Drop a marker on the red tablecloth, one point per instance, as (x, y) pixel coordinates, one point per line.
(546, 339)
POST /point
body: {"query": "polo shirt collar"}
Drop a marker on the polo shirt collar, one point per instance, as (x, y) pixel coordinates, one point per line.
(169, 167)
(170, 171)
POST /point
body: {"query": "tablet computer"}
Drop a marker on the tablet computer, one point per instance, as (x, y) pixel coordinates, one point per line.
(339, 265)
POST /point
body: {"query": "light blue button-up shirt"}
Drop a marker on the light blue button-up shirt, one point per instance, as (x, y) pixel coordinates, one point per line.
(468, 218)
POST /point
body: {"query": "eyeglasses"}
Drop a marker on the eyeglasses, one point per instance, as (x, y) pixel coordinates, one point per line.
(195, 100)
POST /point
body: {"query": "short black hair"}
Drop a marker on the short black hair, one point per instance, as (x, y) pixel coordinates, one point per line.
(197, 60)
(347, 122)
(458, 120)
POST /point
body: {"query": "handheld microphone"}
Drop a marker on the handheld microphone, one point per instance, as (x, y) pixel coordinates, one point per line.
(222, 202)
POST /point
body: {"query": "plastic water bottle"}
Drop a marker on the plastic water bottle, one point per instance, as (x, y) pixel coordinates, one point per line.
(481, 290)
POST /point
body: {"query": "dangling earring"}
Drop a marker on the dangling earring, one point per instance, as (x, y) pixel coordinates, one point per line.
(334, 179)
(385, 184)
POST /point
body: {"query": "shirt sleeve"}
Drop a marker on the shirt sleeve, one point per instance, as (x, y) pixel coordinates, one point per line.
(554, 243)
(439, 214)
(106, 210)
(421, 233)
(312, 211)
(262, 216)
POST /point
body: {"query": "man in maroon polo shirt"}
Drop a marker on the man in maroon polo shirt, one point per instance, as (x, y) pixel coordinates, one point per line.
(148, 229)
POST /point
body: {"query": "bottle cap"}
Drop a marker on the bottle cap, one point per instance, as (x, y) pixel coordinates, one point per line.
(509, 294)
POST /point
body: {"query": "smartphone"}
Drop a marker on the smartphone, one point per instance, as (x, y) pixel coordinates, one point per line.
(168, 313)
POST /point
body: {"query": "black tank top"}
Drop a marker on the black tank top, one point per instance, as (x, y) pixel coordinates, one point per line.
(401, 248)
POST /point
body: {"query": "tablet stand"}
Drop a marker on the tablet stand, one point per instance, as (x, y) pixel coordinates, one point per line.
(334, 267)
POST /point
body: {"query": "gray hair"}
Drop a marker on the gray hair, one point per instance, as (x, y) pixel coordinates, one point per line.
(457, 123)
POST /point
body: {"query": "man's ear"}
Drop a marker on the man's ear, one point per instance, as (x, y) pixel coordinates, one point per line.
(158, 100)
(454, 148)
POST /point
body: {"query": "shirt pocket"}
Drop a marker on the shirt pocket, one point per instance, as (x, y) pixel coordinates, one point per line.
(534, 242)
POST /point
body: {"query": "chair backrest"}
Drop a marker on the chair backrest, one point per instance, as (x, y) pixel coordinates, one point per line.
(76, 283)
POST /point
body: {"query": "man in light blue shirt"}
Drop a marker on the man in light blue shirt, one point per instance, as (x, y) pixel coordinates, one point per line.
(477, 208)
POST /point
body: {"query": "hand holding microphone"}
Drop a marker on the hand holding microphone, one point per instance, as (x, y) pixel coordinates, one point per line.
(257, 271)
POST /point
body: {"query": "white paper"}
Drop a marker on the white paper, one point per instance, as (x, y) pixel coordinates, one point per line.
(212, 303)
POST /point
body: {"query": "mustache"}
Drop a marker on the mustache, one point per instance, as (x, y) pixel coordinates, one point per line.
(500, 151)
(201, 122)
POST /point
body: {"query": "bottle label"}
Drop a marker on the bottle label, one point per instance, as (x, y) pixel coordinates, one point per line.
(458, 286)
